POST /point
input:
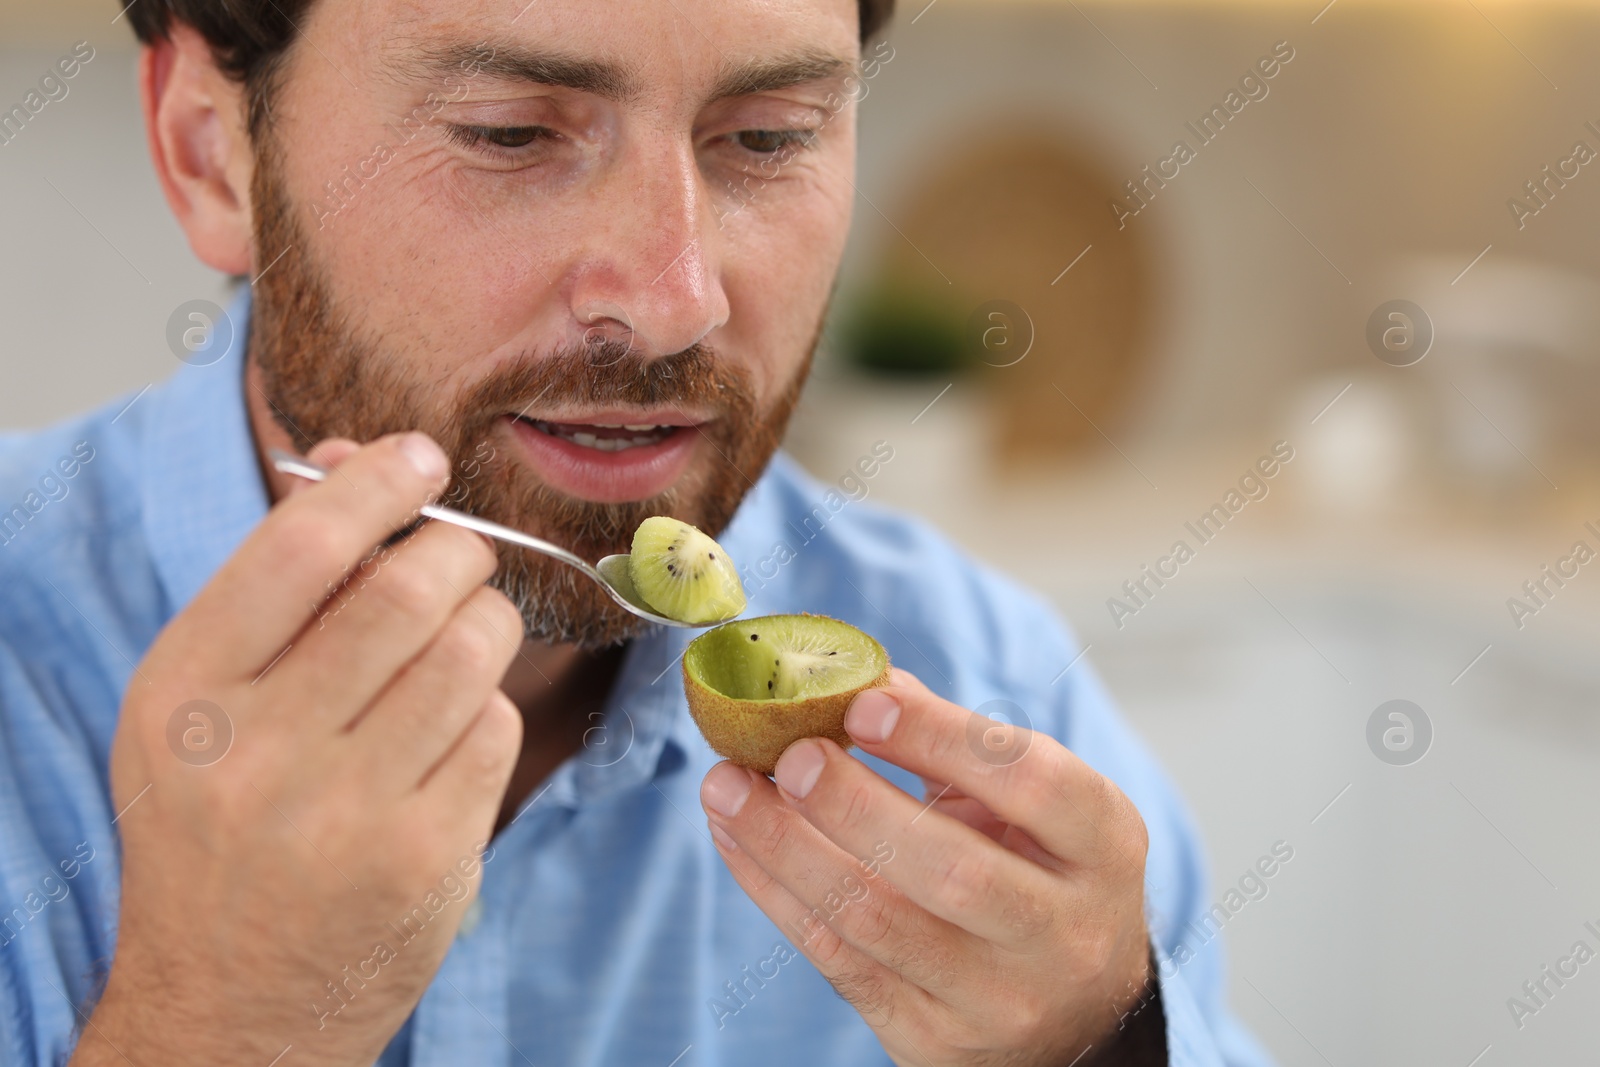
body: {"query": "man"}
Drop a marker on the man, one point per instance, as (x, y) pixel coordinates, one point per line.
(291, 779)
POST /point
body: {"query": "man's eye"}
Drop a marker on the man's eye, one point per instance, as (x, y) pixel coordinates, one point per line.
(766, 142)
(499, 136)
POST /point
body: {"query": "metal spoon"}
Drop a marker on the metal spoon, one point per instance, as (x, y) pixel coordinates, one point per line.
(612, 572)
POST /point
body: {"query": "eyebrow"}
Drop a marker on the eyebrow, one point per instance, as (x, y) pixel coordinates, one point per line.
(783, 72)
(605, 79)
(517, 63)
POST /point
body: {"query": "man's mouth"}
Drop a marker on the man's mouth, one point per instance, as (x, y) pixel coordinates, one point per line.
(605, 436)
(609, 456)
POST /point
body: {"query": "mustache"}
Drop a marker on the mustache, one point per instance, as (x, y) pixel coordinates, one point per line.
(615, 373)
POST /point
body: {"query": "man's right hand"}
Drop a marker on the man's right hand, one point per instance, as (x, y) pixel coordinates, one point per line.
(371, 747)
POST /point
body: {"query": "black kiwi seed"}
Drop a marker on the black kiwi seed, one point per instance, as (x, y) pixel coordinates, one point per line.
(769, 684)
(755, 637)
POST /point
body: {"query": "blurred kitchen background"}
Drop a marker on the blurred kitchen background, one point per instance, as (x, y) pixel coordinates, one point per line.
(1064, 393)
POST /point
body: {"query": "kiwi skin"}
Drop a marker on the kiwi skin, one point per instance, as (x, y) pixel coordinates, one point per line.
(754, 733)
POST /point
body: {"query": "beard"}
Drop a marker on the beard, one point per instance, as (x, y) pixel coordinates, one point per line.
(325, 377)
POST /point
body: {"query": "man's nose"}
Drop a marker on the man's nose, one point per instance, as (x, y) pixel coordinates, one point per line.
(649, 275)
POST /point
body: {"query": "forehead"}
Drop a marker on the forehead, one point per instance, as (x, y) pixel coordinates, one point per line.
(636, 44)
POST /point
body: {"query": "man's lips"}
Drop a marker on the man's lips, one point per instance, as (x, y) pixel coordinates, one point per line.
(608, 457)
(606, 436)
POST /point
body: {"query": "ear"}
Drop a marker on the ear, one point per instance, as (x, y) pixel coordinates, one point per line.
(195, 124)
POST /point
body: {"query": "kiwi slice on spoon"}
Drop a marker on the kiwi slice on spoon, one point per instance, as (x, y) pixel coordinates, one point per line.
(682, 573)
(756, 686)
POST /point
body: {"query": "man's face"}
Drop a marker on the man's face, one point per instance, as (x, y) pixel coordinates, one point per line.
(587, 247)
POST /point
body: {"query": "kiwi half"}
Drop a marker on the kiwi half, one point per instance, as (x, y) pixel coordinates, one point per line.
(756, 686)
(682, 573)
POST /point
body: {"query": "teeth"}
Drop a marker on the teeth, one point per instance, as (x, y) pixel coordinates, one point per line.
(644, 434)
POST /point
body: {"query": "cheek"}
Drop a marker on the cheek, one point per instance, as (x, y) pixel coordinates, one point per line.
(779, 260)
(413, 265)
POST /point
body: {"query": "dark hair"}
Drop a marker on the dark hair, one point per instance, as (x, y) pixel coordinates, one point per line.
(248, 37)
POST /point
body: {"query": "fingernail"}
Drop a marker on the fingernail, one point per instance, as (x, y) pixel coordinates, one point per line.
(799, 768)
(428, 458)
(720, 836)
(725, 789)
(872, 716)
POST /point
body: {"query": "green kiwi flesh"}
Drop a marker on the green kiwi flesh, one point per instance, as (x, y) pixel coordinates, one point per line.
(755, 686)
(682, 573)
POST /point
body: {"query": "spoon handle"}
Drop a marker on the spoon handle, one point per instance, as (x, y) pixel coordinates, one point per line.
(292, 464)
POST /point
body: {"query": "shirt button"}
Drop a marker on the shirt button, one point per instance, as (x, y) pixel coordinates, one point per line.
(469, 921)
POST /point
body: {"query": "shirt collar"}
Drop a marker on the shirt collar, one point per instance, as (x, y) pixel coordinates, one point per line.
(202, 489)
(645, 732)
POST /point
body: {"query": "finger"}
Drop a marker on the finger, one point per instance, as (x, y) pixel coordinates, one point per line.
(940, 864)
(381, 617)
(949, 801)
(956, 804)
(851, 896)
(472, 776)
(872, 988)
(307, 541)
(330, 454)
(422, 713)
(1027, 779)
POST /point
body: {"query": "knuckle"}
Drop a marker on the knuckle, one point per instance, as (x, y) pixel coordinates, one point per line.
(310, 535)
(469, 552)
(903, 941)
(1136, 834)
(826, 948)
(858, 806)
(760, 880)
(873, 925)
(1104, 795)
(1030, 919)
(484, 556)
(496, 736)
(967, 881)
(1049, 765)
(1022, 1017)
(1035, 783)
(868, 990)
(467, 645)
(1125, 832)
(774, 831)
(407, 590)
(1096, 950)
(503, 615)
(948, 747)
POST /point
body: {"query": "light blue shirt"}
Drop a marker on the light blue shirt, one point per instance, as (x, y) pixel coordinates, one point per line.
(610, 933)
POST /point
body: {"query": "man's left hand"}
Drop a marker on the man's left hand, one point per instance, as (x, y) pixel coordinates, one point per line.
(998, 921)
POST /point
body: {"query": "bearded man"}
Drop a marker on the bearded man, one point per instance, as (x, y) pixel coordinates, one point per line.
(292, 777)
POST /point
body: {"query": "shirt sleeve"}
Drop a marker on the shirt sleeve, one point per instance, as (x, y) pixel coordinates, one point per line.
(57, 871)
(1201, 1030)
